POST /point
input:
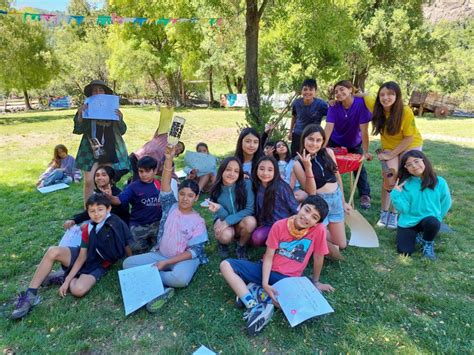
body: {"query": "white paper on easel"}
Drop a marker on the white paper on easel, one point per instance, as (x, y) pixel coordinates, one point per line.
(139, 286)
(362, 233)
(300, 299)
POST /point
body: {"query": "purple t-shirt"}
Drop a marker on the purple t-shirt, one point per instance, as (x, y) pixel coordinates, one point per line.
(347, 122)
(143, 197)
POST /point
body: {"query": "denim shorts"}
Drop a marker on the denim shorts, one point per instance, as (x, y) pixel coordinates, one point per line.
(252, 271)
(336, 208)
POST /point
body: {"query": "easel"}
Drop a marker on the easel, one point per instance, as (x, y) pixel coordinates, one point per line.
(362, 233)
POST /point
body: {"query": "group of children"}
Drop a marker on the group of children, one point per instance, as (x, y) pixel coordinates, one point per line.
(290, 201)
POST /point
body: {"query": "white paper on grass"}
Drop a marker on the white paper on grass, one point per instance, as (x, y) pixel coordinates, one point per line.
(102, 107)
(362, 233)
(203, 351)
(51, 188)
(72, 237)
(204, 163)
(300, 299)
(139, 286)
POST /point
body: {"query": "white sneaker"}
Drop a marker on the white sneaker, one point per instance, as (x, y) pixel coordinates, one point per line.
(392, 221)
(259, 317)
(383, 220)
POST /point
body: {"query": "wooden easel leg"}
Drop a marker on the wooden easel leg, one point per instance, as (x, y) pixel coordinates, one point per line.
(354, 184)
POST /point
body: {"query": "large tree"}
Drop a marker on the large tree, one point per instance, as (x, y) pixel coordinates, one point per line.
(171, 45)
(390, 33)
(27, 60)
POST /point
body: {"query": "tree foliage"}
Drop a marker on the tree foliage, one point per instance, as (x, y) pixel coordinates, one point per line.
(27, 60)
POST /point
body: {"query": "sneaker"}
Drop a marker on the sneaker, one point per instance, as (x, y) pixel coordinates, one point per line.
(26, 301)
(154, 305)
(392, 221)
(383, 220)
(365, 202)
(241, 251)
(258, 317)
(428, 250)
(54, 278)
(257, 292)
(223, 250)
(419, 241)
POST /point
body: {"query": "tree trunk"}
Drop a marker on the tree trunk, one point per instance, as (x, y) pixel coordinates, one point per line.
(211, 93)
(251, 58)
(360, 76)
(174, 86)
(239, 84)
(229, 86)
(27, 100)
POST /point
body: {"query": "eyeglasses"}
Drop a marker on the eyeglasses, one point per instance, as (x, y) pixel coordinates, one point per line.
(413, 163)
(280, 145)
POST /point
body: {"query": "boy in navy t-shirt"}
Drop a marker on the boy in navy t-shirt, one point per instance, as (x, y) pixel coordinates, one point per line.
(306, 110)
(143, 195)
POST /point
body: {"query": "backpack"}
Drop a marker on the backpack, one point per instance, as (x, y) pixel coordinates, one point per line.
(110, 241)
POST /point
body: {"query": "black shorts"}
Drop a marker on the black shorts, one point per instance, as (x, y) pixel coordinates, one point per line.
(95, 270)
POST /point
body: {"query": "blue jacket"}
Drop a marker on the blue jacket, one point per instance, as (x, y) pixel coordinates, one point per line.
(413, 204)
(228, 211)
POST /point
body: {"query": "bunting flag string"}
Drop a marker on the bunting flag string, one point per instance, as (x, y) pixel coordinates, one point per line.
(58, 19)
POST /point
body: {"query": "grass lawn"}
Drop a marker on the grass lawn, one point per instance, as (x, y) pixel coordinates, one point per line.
(383, 302)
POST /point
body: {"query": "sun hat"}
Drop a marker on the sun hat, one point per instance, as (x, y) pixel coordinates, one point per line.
(88, 88)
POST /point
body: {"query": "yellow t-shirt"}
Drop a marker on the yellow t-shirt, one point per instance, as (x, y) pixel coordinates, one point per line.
(408, 128)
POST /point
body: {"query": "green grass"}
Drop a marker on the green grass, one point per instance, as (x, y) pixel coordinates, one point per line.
(383, 302)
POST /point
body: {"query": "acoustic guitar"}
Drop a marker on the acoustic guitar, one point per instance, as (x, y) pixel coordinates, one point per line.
(389, 174)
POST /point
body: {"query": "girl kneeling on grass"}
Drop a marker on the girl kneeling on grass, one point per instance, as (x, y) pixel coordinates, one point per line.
(274, 199)
(61, 169)
(181, 236)
(232, 202)
(422, 198)
(316, 170)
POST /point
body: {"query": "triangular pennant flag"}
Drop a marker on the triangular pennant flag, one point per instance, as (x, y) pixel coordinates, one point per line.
(104, 20)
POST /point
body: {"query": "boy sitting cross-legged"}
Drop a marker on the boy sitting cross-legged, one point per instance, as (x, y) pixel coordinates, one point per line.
(181, 237)
(289, 247)
(104, 241)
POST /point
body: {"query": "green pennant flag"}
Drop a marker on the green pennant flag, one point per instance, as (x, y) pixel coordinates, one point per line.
(162, 21)
(104, 20)
(33, 17)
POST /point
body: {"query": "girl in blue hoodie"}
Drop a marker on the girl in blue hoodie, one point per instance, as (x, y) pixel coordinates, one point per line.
(232, 202)
(422, 199)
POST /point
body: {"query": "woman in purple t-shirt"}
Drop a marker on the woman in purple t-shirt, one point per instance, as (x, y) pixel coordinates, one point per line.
(347, 125)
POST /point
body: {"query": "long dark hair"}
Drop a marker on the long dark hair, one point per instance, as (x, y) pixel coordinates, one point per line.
(56, 161)
(329, 163)
(239, 153)
(287, 156)
(428, 178)
(110, 173)
(392, 124)
(240, 192)
(270, 191)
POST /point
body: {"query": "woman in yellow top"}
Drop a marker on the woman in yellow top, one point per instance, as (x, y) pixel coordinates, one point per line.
(395, 122)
